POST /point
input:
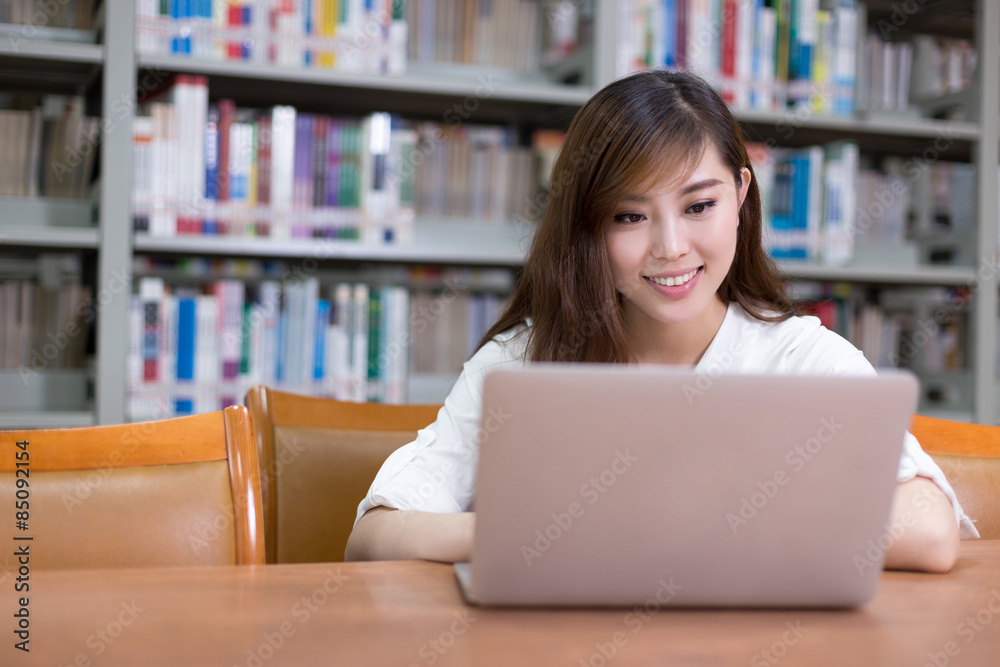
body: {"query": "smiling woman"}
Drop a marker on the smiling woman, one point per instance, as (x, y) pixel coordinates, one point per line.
(669, 249)
(649, 251)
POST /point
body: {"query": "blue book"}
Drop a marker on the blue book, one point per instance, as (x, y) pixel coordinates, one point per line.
(279, 374)
(187, 327)
(670, 33)
(210, 225)
(175, 9)
(307, 30)
(322, 319)
(799, 232)
(781, 209)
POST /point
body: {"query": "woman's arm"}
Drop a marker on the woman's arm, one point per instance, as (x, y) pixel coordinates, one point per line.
(384, 533)
(924, 521)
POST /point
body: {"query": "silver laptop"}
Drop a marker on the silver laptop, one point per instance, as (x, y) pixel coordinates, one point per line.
(603, 485)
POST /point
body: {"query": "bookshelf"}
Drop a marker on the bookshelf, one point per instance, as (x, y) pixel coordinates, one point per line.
(40, 59)
(424, 92)
(974, 139)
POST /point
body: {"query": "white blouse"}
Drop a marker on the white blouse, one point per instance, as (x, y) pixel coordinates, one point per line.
(437, 471)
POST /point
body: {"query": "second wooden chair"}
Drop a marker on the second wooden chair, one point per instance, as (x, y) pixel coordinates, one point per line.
(318, 456)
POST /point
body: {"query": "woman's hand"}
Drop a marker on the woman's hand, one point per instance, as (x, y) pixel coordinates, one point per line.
(924, 520)
(384, 533)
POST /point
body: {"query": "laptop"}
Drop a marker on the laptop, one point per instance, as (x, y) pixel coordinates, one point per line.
(602, 485)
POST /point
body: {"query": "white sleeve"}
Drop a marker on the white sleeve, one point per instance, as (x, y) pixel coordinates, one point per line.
(437, 471)
(914, 460)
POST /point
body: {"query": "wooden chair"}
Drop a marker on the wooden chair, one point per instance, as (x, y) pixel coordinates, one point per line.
(318, 457)
(176, 492)
(969, 455)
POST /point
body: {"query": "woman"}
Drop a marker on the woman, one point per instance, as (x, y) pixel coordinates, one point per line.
(649, 251)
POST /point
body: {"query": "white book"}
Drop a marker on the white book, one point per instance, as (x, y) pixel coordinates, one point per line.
(206, 354)
(291, 338)
(168, 342)
(142, 167)
(282, 168)
(310, 304)
(133, 359)
(814, 220)
(701, 42)
(269, 302)
(840, 207)
(745, 10)
(905, 65)
(359, 344)
(767, 28)
(339, 357)
(34, 152)
(163, 152)
(845, 56)
(399, 345)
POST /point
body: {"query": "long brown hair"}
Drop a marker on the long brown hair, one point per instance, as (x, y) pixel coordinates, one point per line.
(617, 141)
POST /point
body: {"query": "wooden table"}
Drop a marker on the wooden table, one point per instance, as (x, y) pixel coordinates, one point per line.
(411, 613)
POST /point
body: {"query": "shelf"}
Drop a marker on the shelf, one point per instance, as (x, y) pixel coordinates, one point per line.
(42, 63)
(15, 47)
(445, 81)
(499, 244)
(442, 93)
(903, 126)
(75, 238)
(890, 275)
(24, 420)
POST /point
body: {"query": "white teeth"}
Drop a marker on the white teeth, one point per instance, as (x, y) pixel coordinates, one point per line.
(674, 281)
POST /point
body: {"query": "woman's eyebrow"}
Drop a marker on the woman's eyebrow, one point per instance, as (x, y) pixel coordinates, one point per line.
(686, 190)
(700, 185)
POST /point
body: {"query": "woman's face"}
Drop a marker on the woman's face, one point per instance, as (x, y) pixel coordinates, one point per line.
(670, 247)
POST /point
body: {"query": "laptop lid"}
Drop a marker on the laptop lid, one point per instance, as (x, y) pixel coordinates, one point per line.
(607, 485)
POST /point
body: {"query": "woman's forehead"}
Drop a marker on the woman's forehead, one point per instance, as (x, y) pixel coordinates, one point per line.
(674, 167)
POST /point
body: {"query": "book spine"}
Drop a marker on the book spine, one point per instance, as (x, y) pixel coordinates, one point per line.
(263, 176)
(227, 114)
(282, 169)
(340, 349)
(359, 343)
(186, 338)
(211, 225)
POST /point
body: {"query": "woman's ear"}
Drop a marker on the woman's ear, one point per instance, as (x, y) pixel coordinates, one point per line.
(744, 185)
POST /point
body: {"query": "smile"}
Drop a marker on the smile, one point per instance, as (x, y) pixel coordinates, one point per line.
(673, 281)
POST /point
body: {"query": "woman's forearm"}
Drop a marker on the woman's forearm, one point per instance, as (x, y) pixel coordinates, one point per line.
(923, 527)
(390, 534)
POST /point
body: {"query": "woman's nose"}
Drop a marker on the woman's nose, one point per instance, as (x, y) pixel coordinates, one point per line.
(670, 240)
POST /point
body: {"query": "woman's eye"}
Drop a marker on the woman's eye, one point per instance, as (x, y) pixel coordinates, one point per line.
(630, 218)
(701, 207)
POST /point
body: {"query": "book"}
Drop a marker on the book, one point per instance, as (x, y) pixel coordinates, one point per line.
(840, 174)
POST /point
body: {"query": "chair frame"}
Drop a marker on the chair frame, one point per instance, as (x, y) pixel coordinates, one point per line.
(216, 436)
(271, 408)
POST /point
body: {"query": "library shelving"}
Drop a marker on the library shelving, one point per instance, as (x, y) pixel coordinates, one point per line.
(44, 388)
(493, 96)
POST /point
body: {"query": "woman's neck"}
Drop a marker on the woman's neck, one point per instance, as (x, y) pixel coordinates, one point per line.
(676, 344)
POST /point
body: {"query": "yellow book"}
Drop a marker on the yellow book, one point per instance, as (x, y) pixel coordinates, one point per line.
(821, 94)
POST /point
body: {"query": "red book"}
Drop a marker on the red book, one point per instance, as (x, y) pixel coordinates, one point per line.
(729, 50)
(682, 31)
(234, 51)
(227, 111)
(263, 172)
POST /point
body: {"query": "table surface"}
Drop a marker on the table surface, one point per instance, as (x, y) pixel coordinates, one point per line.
(411, 613)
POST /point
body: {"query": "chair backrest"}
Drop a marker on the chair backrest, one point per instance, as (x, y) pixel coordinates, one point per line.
(976, 480)
(318, 456)
(969, 456)
(176, 492)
